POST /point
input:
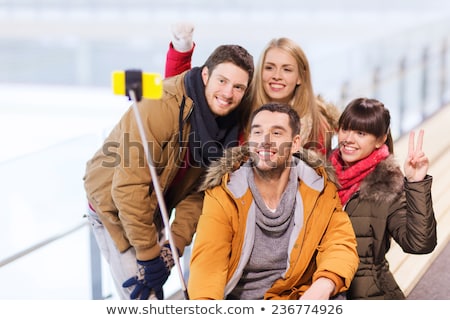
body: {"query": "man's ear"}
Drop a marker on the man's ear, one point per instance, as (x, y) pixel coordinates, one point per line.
(296, 143)
(205, 75)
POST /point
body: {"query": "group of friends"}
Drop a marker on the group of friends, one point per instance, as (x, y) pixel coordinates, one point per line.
(244, 158)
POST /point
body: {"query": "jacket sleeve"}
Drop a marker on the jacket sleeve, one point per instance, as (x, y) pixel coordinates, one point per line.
(411, 221)
(185, 223)
(132, 185)
(337, 258)
(177, 62)
(211, 250)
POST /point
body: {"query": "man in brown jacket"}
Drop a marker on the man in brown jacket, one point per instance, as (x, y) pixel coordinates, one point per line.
(194, 121)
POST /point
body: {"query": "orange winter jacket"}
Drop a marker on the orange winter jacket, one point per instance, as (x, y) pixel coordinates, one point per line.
(324, 245)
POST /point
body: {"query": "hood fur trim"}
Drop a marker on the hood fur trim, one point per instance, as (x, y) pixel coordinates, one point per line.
(314, 160)
(235, 157)
(329, 111)
(385, 183)
(232, 160)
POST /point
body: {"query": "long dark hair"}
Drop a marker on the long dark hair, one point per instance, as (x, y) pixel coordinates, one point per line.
(368, 115)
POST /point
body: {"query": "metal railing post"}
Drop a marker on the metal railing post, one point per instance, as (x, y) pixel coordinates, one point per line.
(424, 84)
(443, 94)
(96, 268)
(401, 94)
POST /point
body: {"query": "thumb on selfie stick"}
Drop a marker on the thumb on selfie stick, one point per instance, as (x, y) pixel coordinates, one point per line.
(136, 84)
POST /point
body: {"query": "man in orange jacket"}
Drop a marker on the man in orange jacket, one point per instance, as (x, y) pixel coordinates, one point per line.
(274, 228)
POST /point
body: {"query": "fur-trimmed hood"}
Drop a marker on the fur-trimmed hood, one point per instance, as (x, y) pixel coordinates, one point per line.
(385, 183)
(329, 111)
(234, 157)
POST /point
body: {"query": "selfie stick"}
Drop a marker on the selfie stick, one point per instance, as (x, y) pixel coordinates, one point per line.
(136, 84)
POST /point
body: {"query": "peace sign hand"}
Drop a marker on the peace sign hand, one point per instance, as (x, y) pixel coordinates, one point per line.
(416, 163)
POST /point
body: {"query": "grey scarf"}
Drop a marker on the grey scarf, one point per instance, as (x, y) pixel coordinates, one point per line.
(279, 220)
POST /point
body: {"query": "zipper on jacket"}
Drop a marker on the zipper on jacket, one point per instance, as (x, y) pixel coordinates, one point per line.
(354, 196)
(181, 123)
(305, 223)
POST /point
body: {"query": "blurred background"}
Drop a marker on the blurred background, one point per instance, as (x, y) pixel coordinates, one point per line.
(57, 105)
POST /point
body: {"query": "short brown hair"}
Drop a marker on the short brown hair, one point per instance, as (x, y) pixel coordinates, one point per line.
(234, 54)
(294, 119)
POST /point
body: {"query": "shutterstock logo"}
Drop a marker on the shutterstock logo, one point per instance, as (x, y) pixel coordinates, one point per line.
(130, 153)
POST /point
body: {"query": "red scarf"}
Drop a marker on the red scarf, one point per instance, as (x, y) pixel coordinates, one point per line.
(350, 177)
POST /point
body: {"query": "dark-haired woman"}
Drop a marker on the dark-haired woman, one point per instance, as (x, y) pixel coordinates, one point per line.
(382, 203)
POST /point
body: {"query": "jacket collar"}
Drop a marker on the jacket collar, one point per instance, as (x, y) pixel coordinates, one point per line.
(385, 183)
(235, 163)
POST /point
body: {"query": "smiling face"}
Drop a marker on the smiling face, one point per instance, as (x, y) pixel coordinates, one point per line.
(280, 75)
(224, 87)
(272, 142)
(357, 145)
(363, 127)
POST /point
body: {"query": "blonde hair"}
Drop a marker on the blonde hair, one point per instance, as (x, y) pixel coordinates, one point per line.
(303, 99)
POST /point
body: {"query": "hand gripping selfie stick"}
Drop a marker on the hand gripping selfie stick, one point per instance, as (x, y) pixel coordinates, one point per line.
(136, 84)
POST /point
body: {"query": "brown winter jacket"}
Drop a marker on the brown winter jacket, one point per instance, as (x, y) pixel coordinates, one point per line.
(388, 207)
(118, 182)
